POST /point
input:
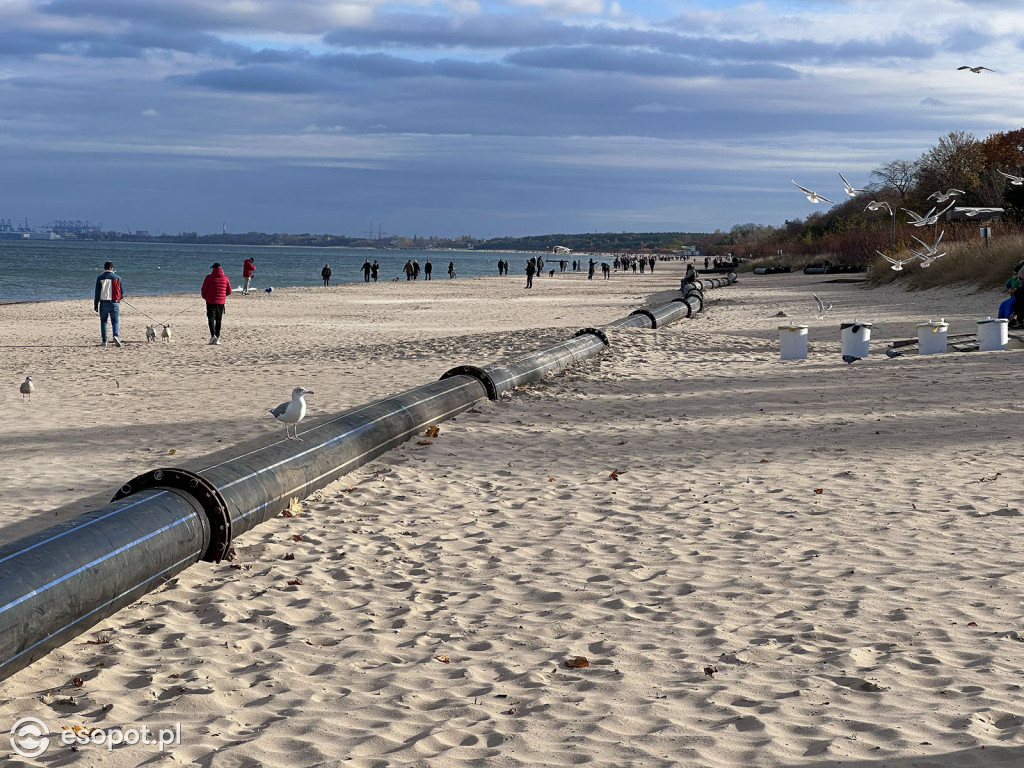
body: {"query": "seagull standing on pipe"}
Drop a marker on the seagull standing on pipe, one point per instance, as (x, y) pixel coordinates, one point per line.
(292, 411)
(814, 197)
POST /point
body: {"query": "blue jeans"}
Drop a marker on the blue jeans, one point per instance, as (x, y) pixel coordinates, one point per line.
(109, 309)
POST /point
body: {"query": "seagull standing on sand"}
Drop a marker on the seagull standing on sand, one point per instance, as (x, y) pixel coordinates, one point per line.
(849, 188)
(27, 387)
(292, 411)
(814, 197)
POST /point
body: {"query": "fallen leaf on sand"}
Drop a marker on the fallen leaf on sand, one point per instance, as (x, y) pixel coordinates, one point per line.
(763, 461)
(614, 475)
(289, 556)
(424, 442)
(577, 663)
(230, 554)
(551, 479)
(287, 513)
(293, 505)
(443, 658)
(432, 431)
(295, 583)
(78, 682)
(172, 451)
(819, 490)
(176, 676)
(710, 671)
(969, 624)
(296, 537)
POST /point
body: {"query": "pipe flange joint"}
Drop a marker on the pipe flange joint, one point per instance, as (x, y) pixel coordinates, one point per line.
(594, 331)
(685, 302)
(477, 373)
(200, 489)
(648, 314)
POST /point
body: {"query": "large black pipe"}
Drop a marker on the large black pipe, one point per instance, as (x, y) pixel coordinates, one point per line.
(57, 583)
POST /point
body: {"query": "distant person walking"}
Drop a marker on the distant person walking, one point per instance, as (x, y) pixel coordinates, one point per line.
(501, 267)
(408, 269)
(107, 301)
(248, 270)
(427, 269)
(325, 273)
(216, 289)
(415, 270)
(531, 270)
(375, 270)
(650, 263)
(606, 270)
(590, 271)
(366, 271)
(451, 270)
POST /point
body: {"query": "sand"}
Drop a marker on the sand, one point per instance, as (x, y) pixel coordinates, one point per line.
(764, 562)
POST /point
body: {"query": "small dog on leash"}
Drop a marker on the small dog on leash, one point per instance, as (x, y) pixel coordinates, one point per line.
(150, 334)
(165, 334)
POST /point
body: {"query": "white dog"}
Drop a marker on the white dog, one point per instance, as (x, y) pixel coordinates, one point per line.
(150, 334)
(165, 334)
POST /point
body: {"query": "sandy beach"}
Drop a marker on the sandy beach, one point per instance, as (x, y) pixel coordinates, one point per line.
(764, 562)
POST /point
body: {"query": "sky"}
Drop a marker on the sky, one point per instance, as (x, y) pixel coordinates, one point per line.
(481, 117)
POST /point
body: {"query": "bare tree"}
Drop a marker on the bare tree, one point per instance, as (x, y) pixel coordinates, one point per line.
(899, 175)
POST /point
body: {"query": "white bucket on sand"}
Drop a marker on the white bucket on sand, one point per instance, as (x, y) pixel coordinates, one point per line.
(793, 342)
(856, 337)
(931, 337)
(993, 334)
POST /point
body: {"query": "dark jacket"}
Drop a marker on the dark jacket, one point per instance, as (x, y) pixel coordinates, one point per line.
(216, 287)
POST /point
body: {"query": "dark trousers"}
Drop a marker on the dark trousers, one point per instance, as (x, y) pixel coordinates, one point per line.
(214, 314)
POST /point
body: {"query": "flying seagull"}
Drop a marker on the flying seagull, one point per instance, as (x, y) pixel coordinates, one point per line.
(292, 411)
(823, 308)
(27, 387)
(897, 264)
(931, 249)
(813, 196)
(941, 197)
(849, 189)
(1015, 180)
(976, 70)
(916, 217)
(971, 213)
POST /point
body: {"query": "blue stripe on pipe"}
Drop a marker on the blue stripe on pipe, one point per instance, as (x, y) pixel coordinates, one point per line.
(97, 561)
(83, 525)
(100, 608)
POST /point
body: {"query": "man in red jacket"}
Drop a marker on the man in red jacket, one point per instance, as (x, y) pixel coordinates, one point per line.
(248, 270)
(216, 289)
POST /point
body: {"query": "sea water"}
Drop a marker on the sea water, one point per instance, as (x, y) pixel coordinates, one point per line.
(45, 270)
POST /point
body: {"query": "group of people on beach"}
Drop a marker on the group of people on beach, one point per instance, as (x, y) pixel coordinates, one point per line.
(217, 287)
(412, 270)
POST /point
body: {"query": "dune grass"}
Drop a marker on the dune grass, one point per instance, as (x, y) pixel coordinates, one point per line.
(967, 262)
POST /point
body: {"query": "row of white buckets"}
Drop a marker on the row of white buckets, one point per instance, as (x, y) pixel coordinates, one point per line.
(993, 335)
